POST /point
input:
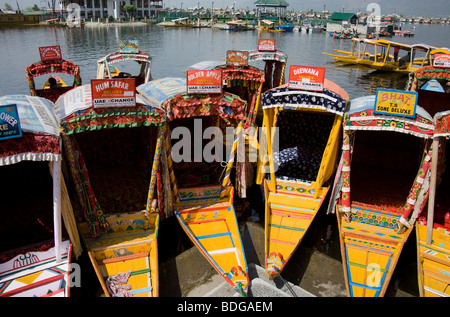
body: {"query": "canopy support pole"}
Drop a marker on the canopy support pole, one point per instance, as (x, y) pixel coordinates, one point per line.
(432, 194)
(57, 208)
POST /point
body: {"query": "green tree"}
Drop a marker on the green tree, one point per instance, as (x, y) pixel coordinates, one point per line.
(35, 8)
(129, 9)
(8, 7)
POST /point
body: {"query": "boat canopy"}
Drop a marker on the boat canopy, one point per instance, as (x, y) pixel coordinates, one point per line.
(430, 72)
(183, 105)
(40, 131)
(237, 22)
(77, 114)
(180, 19)
(40, 141)
(105, 64)
(80, 116)
(332, 99)
(432, 84)
(268, 22)
(157, 91)
(52, 67)
(205, 65)
(257, 55)
(360, 116)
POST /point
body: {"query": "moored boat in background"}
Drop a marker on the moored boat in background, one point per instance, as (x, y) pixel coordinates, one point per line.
(55, 66)
(274, 63)
(140, 70)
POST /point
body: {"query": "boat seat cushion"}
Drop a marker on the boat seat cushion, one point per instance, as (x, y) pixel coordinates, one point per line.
(302, 140)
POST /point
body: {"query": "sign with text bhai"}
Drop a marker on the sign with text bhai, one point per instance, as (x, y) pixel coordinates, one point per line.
(395, 102)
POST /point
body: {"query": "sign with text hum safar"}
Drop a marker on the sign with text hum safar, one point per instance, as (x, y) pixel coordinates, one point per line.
(306, 77)
(237, 58)
(113, 92)
(395, 102)
(9, 122)
(204, 81)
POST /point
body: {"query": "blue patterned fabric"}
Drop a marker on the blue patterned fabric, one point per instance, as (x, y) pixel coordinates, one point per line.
(291, 98)
(302, 140)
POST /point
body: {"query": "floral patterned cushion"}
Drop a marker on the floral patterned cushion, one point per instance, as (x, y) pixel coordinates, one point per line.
(302, 140)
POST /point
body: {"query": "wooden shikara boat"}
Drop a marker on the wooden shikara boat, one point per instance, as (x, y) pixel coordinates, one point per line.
(177, 23)
(138, 64)
(386, 59)
(274, 67)
(384, 55)
(202, 195)
(269, 26)
(359, 47)
(55, 67)
(380, 188)
(247, 83)
(433, 226)
(35, 248)
(298, 173)
(113, 155)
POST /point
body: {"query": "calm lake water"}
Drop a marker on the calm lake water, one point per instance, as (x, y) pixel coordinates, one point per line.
(173, 50)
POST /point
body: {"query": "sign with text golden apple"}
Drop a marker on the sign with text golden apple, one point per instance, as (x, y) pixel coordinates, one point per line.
(113, 92)
(395, 102)
(441, 60)
(204, 81)
(237, 58)
(306, 77)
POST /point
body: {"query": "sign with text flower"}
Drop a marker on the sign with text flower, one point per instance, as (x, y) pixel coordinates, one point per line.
(395, 102)
(9, 122)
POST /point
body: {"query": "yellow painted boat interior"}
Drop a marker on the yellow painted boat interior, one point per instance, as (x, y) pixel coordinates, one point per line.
(294, 194)
(211, 224)
(384, 166)
(203, 205)
(126, 254)
(433, 253)
(434, 262)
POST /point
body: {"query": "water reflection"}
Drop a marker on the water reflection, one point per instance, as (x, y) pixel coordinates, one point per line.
(174, 49)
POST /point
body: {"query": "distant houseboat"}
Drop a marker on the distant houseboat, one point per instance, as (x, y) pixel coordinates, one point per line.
(19, 18)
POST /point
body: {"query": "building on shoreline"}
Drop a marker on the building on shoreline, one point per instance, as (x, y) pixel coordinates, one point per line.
(103, 9)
